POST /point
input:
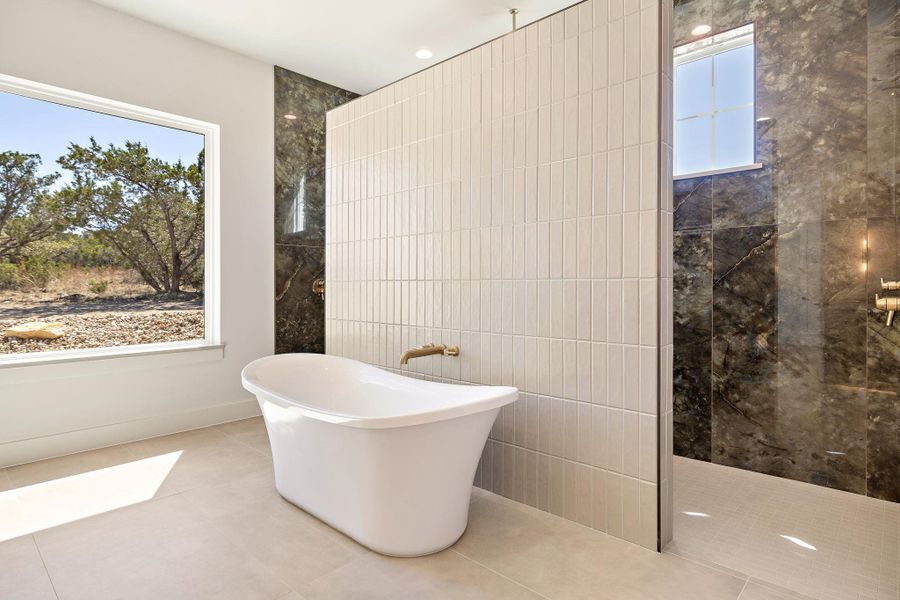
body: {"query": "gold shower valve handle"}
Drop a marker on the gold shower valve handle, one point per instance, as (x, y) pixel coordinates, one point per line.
(891, 305)
(890, 285)
(887, 303)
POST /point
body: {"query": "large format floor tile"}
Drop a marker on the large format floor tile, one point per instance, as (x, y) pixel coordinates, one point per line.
(439, 576)
(563, 560)
(824, 543)
(196, 515)
(159, 549)
(22, 573)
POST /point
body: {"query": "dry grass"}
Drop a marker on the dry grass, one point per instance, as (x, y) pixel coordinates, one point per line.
(119, 283)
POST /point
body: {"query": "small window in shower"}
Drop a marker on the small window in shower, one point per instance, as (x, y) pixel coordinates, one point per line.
(714, 97)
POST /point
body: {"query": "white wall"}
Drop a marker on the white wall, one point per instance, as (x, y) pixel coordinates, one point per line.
(56, 409)
(508, 201)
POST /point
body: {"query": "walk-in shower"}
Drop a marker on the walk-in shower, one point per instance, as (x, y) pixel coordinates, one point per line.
(787, 358)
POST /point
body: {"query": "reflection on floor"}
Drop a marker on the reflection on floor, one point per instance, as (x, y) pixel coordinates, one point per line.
(214, 527)
(823, 543)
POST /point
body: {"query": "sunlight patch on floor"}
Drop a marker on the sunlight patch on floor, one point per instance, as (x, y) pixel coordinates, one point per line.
(43, 505)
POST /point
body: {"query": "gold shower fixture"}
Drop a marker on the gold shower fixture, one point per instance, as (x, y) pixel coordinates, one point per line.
(318, 287)
(513, 12)
(889, 304)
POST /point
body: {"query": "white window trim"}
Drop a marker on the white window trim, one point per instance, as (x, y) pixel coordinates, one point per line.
(739, 40)
(724, 171)
(211, 270)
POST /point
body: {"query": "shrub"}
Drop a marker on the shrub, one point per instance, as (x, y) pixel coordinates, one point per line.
(98, 286)
(9, 276)
(39, 270)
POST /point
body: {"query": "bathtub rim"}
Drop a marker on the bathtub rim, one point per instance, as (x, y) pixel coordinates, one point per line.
(494, 397)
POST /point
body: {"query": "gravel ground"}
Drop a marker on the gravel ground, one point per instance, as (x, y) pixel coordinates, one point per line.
(104, 329)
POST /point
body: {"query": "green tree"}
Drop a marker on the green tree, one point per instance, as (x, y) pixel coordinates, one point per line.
(150, 210)
(29, 209)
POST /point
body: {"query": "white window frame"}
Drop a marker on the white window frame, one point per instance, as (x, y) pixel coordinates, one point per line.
(211, 266)
(704, 48)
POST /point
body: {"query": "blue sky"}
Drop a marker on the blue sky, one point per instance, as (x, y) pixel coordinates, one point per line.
(38, 127)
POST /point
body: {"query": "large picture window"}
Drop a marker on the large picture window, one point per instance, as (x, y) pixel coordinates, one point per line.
(106, 225)
(714, 103)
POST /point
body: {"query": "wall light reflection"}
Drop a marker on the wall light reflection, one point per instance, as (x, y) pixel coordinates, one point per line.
(799, 542)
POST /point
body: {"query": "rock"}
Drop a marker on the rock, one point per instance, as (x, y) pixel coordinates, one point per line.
(41, 330)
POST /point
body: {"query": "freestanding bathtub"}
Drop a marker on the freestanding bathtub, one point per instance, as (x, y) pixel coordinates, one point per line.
(386, 459)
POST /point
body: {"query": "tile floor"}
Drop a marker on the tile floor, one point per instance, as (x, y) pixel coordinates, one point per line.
(828, 544)
(195, 515)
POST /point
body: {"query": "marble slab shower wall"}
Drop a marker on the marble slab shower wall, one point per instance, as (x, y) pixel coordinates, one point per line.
(782, 365)
(508, 201)
(300, 106)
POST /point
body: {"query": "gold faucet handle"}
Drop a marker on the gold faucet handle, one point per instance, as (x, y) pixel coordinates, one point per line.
(887, 303)
(890, 285)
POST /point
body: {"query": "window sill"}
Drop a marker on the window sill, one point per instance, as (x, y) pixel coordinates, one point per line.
(199, 351)
(751, 167)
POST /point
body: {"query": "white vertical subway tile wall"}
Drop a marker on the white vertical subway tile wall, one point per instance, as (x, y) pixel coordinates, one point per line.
(508, 201)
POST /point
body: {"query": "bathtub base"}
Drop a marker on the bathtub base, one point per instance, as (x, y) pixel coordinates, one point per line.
(401, 492)
(372, 544)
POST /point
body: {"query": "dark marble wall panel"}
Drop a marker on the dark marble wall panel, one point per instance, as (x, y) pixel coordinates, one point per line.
(884, 108)
(300, 107)
(805, 372)
(744, 346)
(300, 322)
(883, 445)
(692, 201)
(693, 355)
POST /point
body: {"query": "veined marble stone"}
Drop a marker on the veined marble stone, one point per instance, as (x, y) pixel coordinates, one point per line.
(300, 106)
(805, 372)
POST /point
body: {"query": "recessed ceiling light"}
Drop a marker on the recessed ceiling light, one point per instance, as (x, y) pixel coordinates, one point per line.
(701, 30)
(424, 54)
(290, 117)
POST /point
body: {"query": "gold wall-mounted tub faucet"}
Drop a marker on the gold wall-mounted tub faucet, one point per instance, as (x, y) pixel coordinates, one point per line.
(428, 350)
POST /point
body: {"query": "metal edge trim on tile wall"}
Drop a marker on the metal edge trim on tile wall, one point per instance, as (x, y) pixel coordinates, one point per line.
(660, 90)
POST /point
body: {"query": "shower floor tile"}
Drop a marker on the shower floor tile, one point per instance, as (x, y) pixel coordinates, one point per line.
(823, 543)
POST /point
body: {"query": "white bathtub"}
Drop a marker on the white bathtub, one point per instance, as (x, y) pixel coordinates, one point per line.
(386, 459)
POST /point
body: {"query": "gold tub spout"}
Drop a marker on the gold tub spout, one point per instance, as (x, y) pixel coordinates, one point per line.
(428, 350)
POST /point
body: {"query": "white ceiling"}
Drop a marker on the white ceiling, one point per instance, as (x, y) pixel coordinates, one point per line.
(358, 45)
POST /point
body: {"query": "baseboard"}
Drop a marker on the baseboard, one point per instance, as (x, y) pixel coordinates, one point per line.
(92, 438)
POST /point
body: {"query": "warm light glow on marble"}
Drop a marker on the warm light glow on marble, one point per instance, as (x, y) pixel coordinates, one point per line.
(701, 30)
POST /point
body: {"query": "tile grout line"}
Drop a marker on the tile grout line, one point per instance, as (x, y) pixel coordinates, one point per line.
(44, 564)
(234, 438)
(741, 593)
(506, 577)
(250, 556)
(245, 444)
